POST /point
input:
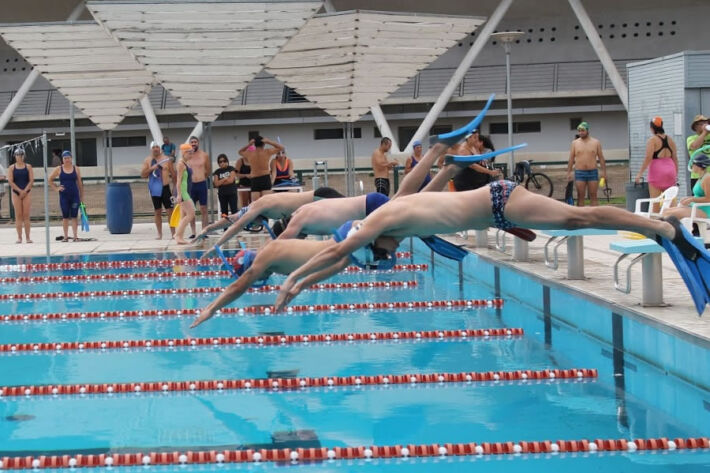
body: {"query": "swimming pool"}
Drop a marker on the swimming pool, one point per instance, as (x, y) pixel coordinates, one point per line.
(394, 379)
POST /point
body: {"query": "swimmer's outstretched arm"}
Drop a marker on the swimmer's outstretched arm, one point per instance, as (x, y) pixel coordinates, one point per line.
(442, 178)
(250, 215)
(312, 279)
(416, 176)
(328, 258)
(293, 229)
(209, 229)
(233, 291)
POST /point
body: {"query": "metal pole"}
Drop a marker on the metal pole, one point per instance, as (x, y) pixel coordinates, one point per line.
(349, 160)
(600, 49)
(210, 195)
(72, 132)
(105, 143)
(151, 120)
(457, 77)
(511, 158)
(110, 156)
(46, 192)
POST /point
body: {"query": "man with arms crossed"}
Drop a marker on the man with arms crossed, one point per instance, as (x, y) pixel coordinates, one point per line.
(583, 156)
(259, 159)
(159, 170)
(201, 169)
(381, 166)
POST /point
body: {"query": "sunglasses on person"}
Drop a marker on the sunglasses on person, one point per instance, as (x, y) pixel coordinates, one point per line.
(222, 161)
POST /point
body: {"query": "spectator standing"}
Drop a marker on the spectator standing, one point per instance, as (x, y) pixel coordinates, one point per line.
(168, 148)
(281, 168)
(700, 138)
(225, 180)
(243, 172)
(661, 160)
(159, 170)
(182, 191)
(201, 169)
(3, 186)
(71, 192)
(56, 158)
(583, 156)
(381, 166)
(259, 158)
(21, 179)
(478, 174)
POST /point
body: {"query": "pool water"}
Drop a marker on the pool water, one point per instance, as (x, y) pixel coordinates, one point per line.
(630, 399)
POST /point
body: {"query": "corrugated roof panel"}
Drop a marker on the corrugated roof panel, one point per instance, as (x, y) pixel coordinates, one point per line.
(203, 53)
(349, 61)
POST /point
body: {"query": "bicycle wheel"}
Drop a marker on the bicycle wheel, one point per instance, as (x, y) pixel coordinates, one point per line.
(539, 183)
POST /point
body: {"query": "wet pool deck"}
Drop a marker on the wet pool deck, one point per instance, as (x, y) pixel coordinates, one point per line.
(678, 315)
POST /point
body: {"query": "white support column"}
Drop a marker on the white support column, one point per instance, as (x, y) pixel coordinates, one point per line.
(152, 120)
(196, 132)
(460, 72)
(600, 49)
(77, 11)
(17, 99)
(328, 6)
(384, 127)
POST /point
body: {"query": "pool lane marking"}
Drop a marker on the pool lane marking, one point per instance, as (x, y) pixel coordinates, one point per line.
(257, 310)
(171, 275)
(201, 290)
(259, 340)
(309, 455)
(143, 263)
(292, 383)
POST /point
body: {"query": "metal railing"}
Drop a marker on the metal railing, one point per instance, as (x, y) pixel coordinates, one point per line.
(266, 89)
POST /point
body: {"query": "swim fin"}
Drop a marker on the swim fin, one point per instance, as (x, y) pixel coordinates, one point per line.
(569, 193)
(522, 233)
(84, 218)
(455, 136)
(226, 262)
(474, 158)
(444, 248)
(692, 261)
(265, 223)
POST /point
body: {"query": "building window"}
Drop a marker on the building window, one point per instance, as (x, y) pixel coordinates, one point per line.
(574, 123)
(518, 127)
(334, 133)
(291, 96)
(127, 141)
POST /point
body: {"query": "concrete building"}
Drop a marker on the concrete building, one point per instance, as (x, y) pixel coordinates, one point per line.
(557, 81)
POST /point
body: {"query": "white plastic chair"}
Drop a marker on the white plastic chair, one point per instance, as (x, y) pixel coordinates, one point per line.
(701, 222)
(665, 199)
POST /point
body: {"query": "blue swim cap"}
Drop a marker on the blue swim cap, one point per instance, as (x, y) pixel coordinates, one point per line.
(66, 154)
(373, 201)
(416, 143)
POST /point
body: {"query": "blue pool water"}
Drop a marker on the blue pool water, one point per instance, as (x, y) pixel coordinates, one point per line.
(636, 395)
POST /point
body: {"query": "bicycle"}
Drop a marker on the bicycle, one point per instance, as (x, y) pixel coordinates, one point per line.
(536, 182)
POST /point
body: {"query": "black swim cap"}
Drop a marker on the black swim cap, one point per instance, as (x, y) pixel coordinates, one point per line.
(327, 193)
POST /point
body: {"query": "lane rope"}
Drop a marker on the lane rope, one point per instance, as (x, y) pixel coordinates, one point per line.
(296, 455)
(201, 290)
(142, 263)
(258, 340)
(172, 275)
(256, 310)
(292, 383)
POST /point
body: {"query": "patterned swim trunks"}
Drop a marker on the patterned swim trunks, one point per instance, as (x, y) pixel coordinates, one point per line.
(500, 191)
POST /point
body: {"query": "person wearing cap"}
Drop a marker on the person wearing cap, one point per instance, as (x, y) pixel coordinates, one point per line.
(71, 193)
(159, 170)
(701, 192)
(699, 138)
(414, 159)
(661, 160)
(183, 184)
(381, 166)
(583, 156)
(21, 179)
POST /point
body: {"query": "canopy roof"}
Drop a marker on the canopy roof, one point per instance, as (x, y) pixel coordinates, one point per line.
(204, 52)
(349, 61)
(85, 64)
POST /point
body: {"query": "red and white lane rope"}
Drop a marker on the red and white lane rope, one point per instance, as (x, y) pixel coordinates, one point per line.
(172, 275)
(294, 455)
(293, 383)
(142, 263)
(201, 290)
(260, 340)
(258, 310)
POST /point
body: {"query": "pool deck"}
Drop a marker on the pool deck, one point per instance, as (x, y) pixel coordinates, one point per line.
(678, 315)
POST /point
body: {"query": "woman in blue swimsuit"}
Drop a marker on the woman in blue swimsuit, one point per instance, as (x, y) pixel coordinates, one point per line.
(71, 193)
(21, 179)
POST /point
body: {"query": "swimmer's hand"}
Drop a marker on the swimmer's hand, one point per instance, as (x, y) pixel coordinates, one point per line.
(205, 315)
(199, 238)
(289, 290)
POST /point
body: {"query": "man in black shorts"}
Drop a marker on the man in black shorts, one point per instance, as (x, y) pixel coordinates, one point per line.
(159, 170)
(259, 158)
(381, 167)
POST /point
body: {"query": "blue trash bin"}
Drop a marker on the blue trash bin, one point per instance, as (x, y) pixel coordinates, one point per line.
(119, 208)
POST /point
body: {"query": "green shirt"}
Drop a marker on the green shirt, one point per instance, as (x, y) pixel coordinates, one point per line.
(688, 141)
